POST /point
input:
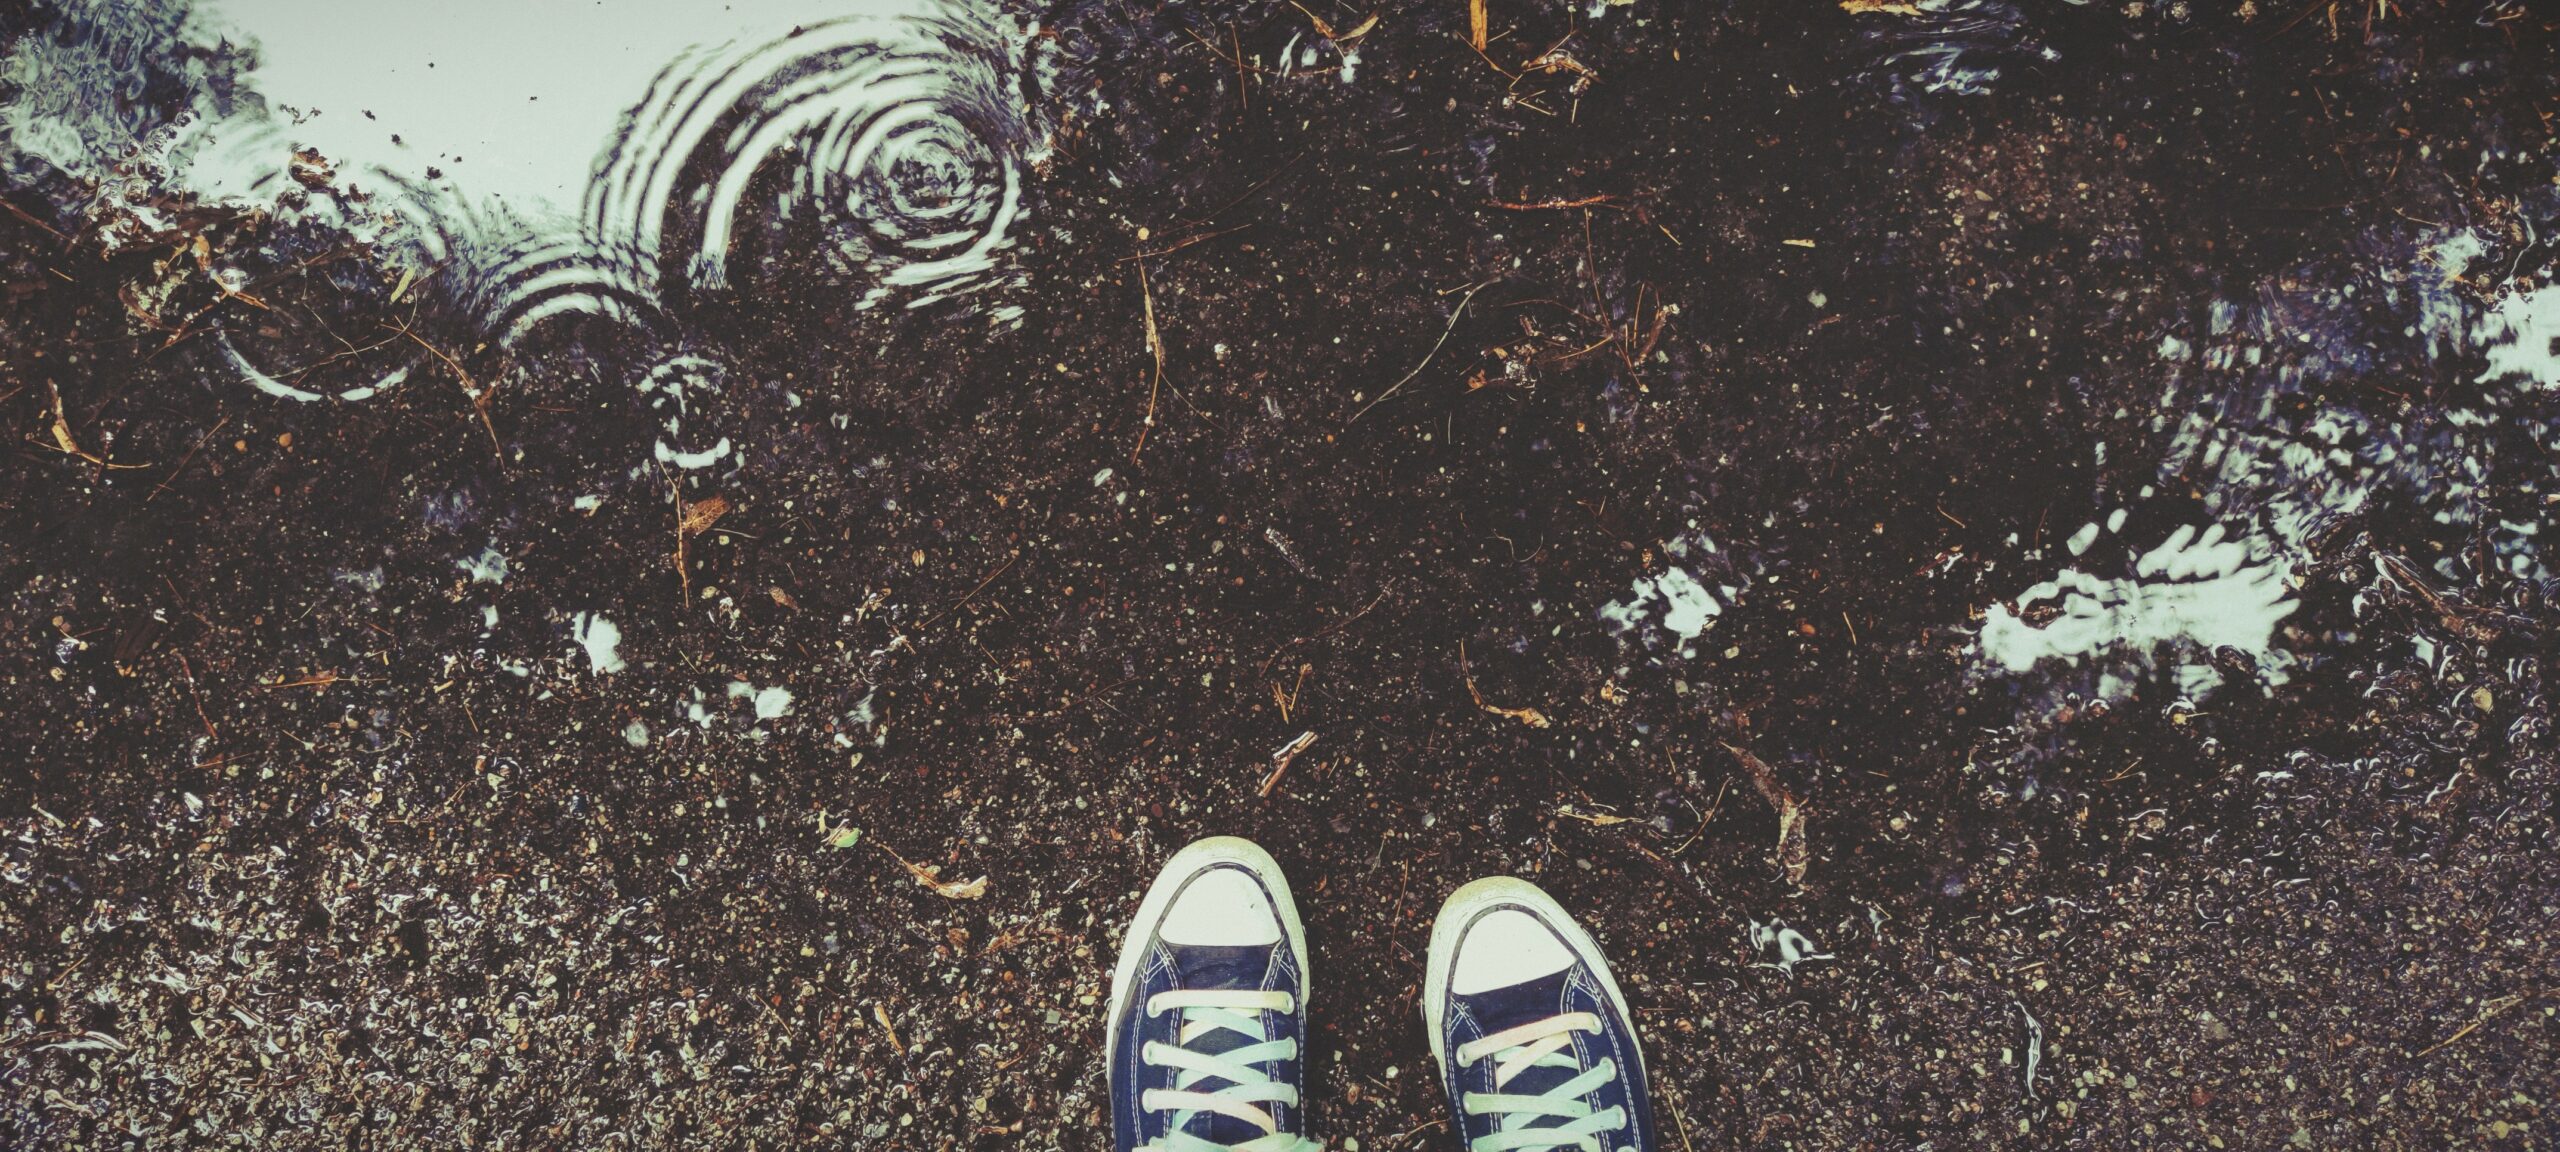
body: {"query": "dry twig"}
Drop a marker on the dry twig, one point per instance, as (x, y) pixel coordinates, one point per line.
(478, 396)
(1280, 760)
(2491, 1011)
(189, 458)
(1155, 349)
(1454, 316)
(64, 443)
(1529, 716)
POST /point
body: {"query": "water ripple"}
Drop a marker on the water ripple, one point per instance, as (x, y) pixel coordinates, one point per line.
(893, 142)
(872, 159)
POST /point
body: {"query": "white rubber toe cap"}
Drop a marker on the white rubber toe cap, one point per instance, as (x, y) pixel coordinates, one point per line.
(1506, 947)
(1222, 906)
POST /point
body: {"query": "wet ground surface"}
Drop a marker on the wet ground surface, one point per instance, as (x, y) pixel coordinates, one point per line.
(2049, 504)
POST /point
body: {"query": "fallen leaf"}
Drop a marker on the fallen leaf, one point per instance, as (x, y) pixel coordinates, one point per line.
(931, 877)
(1596, 819)
(1529, 716)
(1793, 856)
(1322, 29)
(308, 168)
(954, 891)
(881, 1014)
(700, 515)
(1887, 7)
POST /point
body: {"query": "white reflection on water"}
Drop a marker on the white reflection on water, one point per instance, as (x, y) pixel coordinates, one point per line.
(2197, 592)
(2286, 412)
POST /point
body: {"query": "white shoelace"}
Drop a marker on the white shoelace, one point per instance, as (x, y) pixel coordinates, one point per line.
(1541, 1044)
(1203, 1012)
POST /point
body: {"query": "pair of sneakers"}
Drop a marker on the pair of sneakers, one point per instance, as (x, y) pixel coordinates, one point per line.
(1208, 1018)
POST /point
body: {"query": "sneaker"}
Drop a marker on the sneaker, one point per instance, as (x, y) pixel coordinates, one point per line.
(1209, 1011)
(1535, 1046)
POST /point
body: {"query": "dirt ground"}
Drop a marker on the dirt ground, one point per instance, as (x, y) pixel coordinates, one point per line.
(1338, 409)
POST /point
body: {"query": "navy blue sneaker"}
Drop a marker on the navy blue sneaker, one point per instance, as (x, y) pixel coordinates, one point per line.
(1535, 1045)
(1209, 1010)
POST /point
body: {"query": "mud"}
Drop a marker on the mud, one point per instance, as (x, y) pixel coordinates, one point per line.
(1551, 441)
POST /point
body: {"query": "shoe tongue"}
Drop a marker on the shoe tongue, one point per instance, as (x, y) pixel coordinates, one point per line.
(1512, 1005)
(1241, 967)
(1509, 1007)
(1223, 966)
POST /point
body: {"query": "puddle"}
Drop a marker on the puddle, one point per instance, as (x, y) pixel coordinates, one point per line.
(596, 161)
(2285, 411)
(2197, 594)
(1666, 612)
(1954, 47)
(2521, 336)
(602, 640)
